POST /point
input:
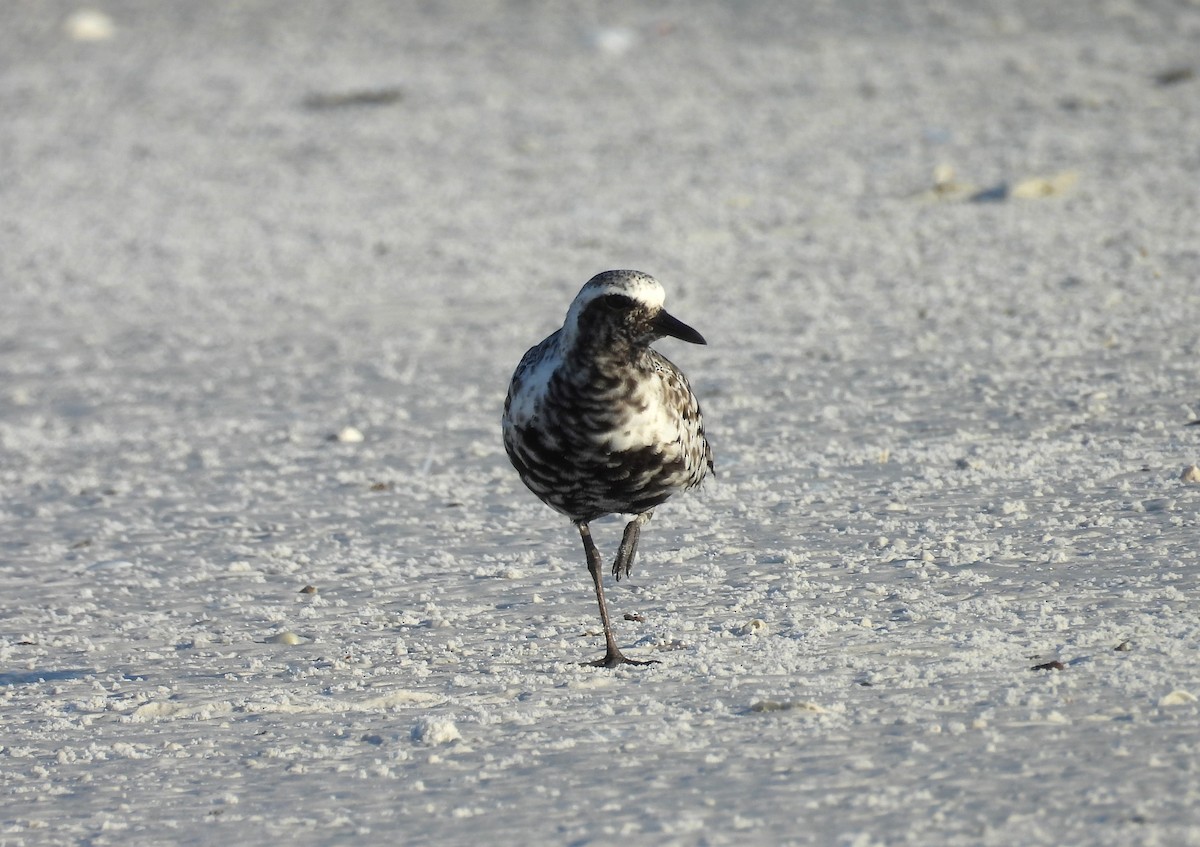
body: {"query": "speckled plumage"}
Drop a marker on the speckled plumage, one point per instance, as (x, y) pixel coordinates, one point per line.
(598, 423)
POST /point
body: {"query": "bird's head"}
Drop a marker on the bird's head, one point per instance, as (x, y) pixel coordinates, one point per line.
(623, 308)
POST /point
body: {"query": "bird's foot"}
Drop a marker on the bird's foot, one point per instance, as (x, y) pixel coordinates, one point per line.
(615, 658)
(622, 565)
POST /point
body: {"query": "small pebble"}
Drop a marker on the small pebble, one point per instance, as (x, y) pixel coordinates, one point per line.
(308, 589)
(1177, 698)
(1190, 474)
(89, 25)
(1049, 666)
(348, 435)
(755, 627)
(1156, 504)
(289, 638)
(614, 41)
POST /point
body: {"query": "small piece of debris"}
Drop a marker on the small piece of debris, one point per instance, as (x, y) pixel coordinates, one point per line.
(1190, 474)
(1123, 647)
(760, 706)
(995, 194)
(946, 187)
(433, 731)
(1045, 186)
(1049, 666)
(634, 616)
(321, 101)
(308, 589)
(111, 565)
(382, 486)
(1173, 76)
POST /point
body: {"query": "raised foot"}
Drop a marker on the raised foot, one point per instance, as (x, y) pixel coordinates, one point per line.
(623, 563)
(616, 659)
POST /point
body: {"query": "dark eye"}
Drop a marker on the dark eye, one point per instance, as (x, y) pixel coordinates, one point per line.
(617, 302)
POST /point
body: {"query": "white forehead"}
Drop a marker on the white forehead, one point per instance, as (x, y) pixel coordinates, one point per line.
(635, 285)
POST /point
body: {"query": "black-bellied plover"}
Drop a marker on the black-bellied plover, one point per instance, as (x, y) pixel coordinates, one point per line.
(597, 423)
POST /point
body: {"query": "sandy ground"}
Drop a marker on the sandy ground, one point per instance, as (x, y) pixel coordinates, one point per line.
(946, 257)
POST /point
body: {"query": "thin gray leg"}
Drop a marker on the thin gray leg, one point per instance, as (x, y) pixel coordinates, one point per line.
(613, 657)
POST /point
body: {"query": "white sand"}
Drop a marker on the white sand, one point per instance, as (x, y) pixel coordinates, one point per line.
(949, 433)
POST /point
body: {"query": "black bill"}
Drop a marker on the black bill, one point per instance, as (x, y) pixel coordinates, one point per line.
(672, 326)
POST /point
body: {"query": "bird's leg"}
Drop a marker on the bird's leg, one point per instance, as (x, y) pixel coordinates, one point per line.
(623, 563)
(613, 657)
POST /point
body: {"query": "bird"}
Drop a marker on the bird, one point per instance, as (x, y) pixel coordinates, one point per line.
(597, 423)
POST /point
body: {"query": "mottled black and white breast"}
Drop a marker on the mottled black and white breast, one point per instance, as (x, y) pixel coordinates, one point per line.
(596, 422)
